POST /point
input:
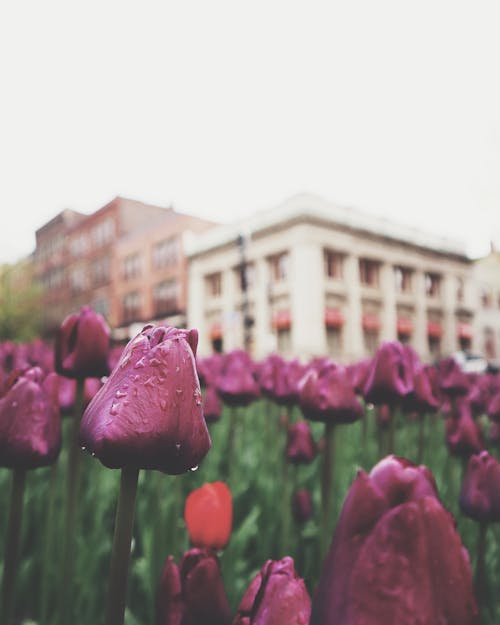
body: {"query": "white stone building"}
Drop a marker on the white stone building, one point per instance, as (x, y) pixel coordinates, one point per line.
(323, 279)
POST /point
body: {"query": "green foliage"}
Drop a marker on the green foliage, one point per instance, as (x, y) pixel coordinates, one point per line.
(20, 303)
(256, 477)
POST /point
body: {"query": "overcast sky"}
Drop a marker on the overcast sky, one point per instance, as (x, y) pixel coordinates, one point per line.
(222, 108)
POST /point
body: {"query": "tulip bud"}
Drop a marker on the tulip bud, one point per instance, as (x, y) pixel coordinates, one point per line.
(390, 377)
(30, 422)
(212, 405)
(327, 395)
(236, 382)
(148, 413)
(194, 593)
(480, 494)
(276, 596)
(208, 513)
(300, 448)
(82, 345)
(463, 436)
(396, 557)
(302, 506)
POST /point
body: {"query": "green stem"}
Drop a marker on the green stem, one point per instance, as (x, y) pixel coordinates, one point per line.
(13, 539)
(480, 579)
(48, 544)
(71, 511)
(327, 481)
(286, 509)
(392, 432)
(122, 540)
(230, 456)
(421, 438)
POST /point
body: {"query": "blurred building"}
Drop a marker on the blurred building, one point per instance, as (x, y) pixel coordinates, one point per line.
(308, 278)
(487, 318)
(126, 260)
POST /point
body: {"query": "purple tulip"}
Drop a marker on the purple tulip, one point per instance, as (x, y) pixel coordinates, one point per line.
(327, 395)
(480, 494)
(212, 405)
(300, 448)
(148, 414)
(396, 557)
(82, 345)
(236, 383)
(390, 378)
(453, 381)
(463, 436)
(192, 594)
(208, 368)
(422, 399)
(302, 506)
(493, 408)
(358, 373)
(30, 422)
(276, 596)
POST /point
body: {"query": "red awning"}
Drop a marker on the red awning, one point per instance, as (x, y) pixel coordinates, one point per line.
(334, 318)
(282, 319)
(371, 322)
(434, 329)
(216, 331)
(404, 326)
(464, 330)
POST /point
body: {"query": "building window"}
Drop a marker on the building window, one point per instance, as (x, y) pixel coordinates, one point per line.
(489, 344)
(333, 264)
(213, 284)
(77, 280)
(370, 340)
(334, 341)
(101, 306)
(131, 306)
(278, 267)
(102, 232)
(131, 266)
(369, 272)
(434, 343)
(100, 271)
(485, 298)
(165, 253)
(432, 284)
(460, 289)
(284, 340)
(403, 279)
(79, 245)
(165, 297)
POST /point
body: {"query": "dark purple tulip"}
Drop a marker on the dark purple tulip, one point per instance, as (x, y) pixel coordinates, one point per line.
(463, 436)
(396, 557)
(327, 395)
(208, 368)
(453, 381)
(390, 378)
(481, 393)
(67, 392)
(149, 412)
(421, 399)
(236, 383)
(302, 506)
(276, 596)
(82, 345)
(358, 373)
(287, 390)
(30, 422)
(300, 448)
(192, 594)
(267, 373)
(212, 405)
(480, 494)
(494, 434)
(493, 408)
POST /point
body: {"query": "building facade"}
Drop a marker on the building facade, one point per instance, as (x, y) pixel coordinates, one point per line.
(487, 319)
(320, 279)
(103, 260)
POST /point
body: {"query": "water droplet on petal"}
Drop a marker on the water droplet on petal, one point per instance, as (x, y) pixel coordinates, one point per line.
(163, 404)
(114, 409)
(83, 448)
(177, 446)
(178, 391)
(119, 394)
(92, 454)
(194, 468)
(140, 363)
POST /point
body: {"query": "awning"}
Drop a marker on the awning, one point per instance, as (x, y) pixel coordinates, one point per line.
(464, 331)
(215, 331)
(434, 329)
(282, 319)
(404, 325)
(334, 318)
(371, 322)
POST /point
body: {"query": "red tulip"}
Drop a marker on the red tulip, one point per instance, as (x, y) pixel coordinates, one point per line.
(208, 513)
